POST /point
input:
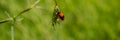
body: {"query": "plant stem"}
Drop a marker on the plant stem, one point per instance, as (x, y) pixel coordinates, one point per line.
(56, 2)
(12, 32)
(6, 20)
(25, 10)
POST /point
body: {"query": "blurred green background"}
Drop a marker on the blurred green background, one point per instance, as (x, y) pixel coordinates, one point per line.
(84, 20)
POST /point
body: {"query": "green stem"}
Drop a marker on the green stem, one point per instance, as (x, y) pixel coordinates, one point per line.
(56, 2)
(9, 19)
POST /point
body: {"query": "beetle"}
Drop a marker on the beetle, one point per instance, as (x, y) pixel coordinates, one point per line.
(61, 16)
(57, 14)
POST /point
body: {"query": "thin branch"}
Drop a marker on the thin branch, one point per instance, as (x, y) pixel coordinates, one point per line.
(25, 10)
(55, 14)
(35, 3)
(9, 19)
(6, 20)
(12, 32)
(55, 2)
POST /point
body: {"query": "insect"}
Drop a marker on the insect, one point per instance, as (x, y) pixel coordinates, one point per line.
(61, 16)
(57, 14)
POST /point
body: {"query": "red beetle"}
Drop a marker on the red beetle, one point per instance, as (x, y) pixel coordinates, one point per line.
(57, 14)
(61, 16)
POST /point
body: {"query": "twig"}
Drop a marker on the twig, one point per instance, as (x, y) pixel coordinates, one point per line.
(12, 32)
(55, 15)
(6, 20)
(25, 10)
(9, 19)
(56, 2)
(35, 3)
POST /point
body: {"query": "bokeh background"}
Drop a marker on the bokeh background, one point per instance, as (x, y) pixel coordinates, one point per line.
(84, 20)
